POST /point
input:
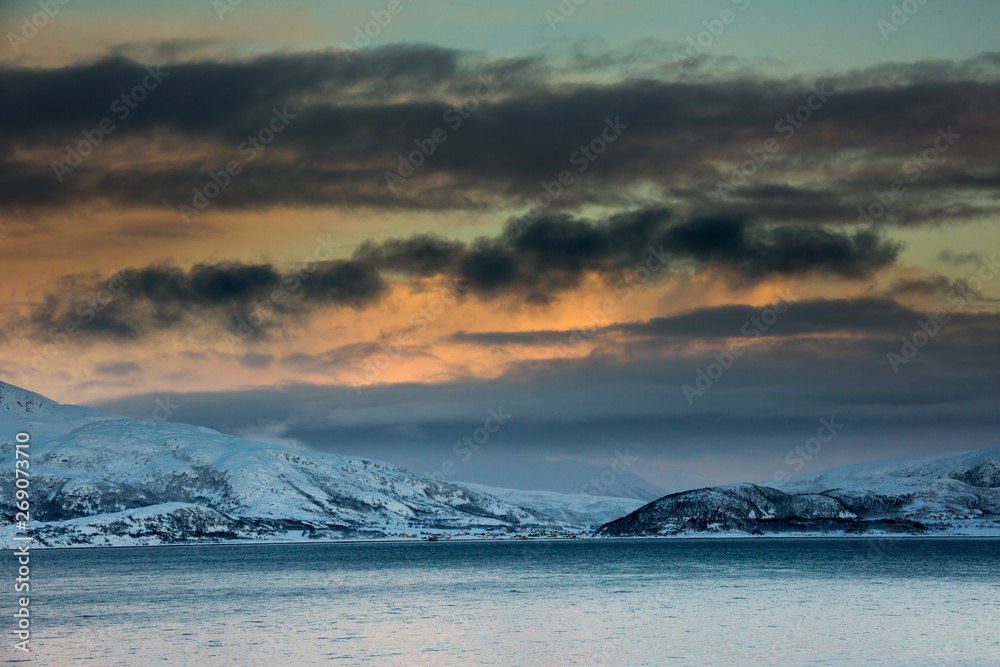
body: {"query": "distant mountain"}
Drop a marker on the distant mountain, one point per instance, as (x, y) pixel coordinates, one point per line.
(572, 477)
(97, 479)
(957, 493)
(676, 479)
(573, 509)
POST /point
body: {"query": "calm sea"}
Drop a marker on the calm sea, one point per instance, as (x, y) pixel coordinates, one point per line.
(904, 601)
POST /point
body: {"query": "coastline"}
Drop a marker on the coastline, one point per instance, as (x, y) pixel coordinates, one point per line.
(995, 534)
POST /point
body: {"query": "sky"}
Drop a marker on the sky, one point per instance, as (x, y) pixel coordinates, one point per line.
(710, 241)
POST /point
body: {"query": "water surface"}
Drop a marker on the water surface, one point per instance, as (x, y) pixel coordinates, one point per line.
(908, 601)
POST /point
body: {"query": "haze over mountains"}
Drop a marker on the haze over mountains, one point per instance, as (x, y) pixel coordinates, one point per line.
(101, 480)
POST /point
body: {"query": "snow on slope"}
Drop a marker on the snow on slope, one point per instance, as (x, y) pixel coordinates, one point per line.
(952, 492)
(952, 485)
(176, 482)
(43, 418)
(575, 509)
(106, 467)
(976, 468)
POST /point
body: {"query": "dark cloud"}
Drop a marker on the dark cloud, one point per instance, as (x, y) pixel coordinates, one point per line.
(541, 257)
(538, 258)
(930, 286)
(872, 316)
(350, 357)
(354, 120)
(344, 356)
(419, 255)
(958, 258)
(532, 260)
(118, 369)
(507, 338)
(757, 250)
(944, 289)
(136, 303)
(256, 360)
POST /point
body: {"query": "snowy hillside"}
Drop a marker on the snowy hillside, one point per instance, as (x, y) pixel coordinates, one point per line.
(44, 419)
(976, 468)
(97, 479)
(956, 493)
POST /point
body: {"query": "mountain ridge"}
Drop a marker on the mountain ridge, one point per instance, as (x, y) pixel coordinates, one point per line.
(98, 478)
(924, 494)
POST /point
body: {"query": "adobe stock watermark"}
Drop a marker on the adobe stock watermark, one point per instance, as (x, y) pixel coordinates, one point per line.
(292, 281)
(87, 310)
(600, 485)
(798, 456)
(562, 12)
(376, 364)
(649, 615)
(470, 444)
(792, 638)
(122, 107)
(928, 329)
(22, 554)
(248, 151)
(974, 629)
(900, 16)
(581, 158)
(163, 410)
(223, 7)
(454, 117)
(755, 327)
(625, 288)
(31, 26)
(364, 36)
(714, 28)
(914, 168)
(786, 126)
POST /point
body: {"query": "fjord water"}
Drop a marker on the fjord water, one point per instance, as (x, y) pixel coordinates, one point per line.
(910, 601)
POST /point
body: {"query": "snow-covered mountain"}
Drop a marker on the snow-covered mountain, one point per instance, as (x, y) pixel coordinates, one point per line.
(957, 493)
(101, 479)
(979, 469)
(43, 418)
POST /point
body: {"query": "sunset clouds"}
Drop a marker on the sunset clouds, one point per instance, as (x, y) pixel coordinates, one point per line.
(418, 220)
